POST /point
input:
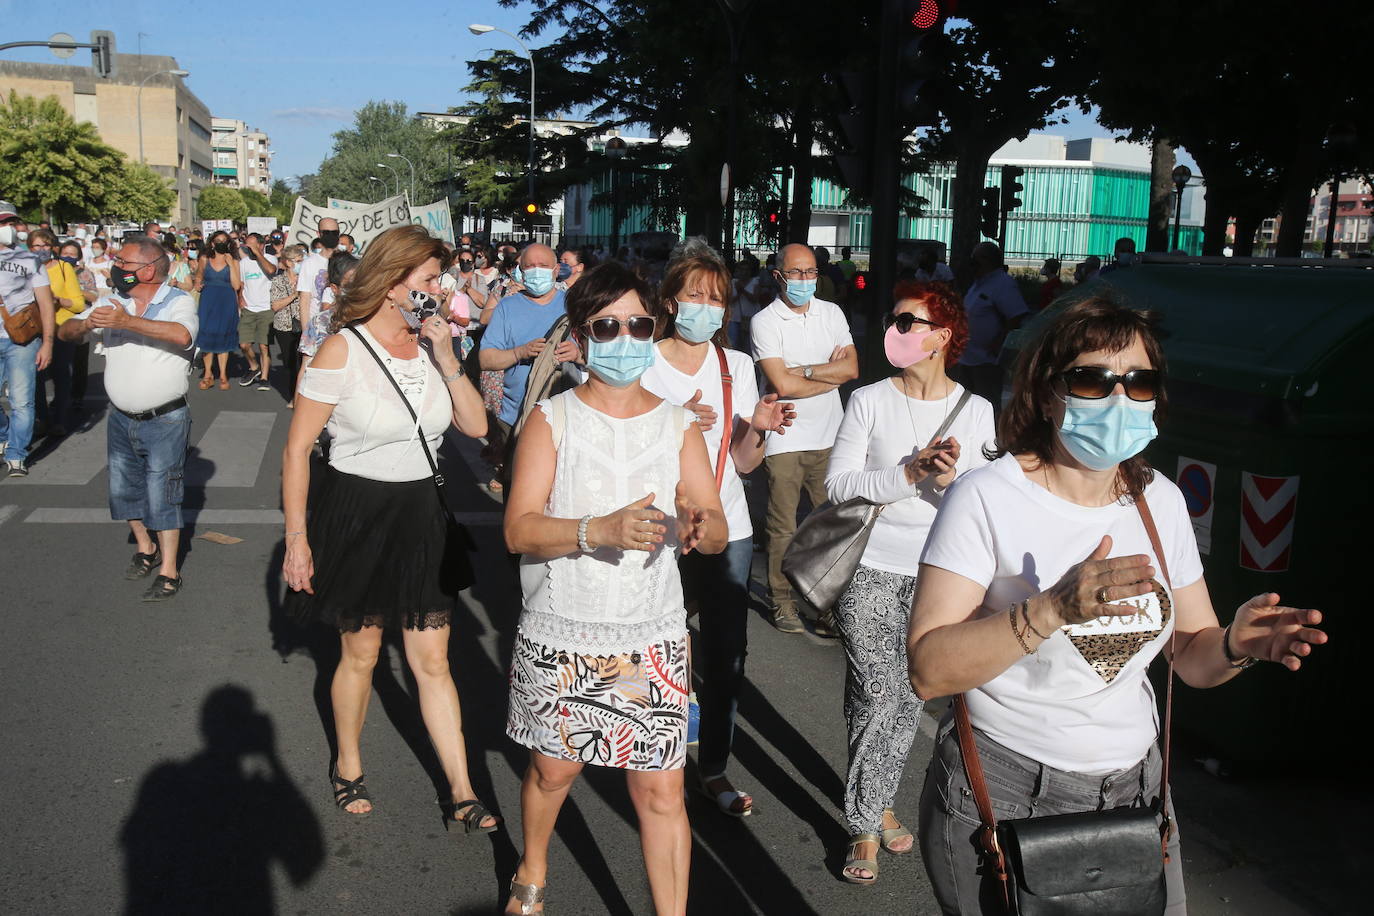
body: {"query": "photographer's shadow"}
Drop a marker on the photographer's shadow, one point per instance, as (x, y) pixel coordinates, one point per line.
(205, 832)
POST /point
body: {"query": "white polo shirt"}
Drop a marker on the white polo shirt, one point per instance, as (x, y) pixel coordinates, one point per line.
(803, 338)
(141, 373)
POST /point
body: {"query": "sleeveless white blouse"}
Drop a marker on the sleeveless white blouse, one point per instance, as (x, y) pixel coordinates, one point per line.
(609, 601)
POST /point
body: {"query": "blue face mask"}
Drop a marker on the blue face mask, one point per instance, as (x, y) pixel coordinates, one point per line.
(621, 361)
(698, 322)
(538, 280)
(564, 271)
(1104, 432)
(799, 292)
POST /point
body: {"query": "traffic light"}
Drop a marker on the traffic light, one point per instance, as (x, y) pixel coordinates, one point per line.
(1011, 186)
(860, 280)
(103, 54)
(989, 214)
(770, 219)
(922, 57)
(531, 209)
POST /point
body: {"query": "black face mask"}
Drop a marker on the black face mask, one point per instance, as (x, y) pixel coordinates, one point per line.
(222, 247)
(330, 238)
(465, 266)
(123, 281)
(271, 249)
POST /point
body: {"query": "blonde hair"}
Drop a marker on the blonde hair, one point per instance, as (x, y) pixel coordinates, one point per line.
(390, 258)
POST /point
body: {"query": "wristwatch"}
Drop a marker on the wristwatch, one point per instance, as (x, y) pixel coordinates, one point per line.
(807, 372)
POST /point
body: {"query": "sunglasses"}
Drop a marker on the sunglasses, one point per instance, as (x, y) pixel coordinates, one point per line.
(605, 330)
(906, 321)
(1095, 382)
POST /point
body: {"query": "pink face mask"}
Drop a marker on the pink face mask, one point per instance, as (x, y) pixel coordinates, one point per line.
(907, 349)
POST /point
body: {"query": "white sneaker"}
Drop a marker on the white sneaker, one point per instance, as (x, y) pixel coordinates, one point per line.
(17, 469)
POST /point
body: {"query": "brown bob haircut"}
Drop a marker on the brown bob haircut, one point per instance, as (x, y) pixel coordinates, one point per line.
(696, 260)
(598, 288)
(1093, 324)
(389, 259)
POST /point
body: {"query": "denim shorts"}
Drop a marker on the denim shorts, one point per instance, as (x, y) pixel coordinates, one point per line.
(147, 462)
(1019, 787)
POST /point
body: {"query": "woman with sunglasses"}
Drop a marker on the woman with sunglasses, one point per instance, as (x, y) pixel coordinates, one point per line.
(611, 485)
(1043, 596)
(902, 442)
(692, 304)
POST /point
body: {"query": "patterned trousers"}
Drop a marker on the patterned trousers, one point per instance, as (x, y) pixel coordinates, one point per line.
(880, 708)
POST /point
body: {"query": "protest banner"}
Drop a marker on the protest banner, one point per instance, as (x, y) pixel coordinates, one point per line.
(263, 225)
(337, 204)
(210, 226)
(436, 218)
(363, 225)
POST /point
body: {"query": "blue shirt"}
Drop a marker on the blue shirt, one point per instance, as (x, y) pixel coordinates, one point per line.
(518, 320)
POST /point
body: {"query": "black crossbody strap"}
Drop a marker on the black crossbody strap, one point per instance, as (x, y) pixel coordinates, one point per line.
(949, 420)
(429, 456)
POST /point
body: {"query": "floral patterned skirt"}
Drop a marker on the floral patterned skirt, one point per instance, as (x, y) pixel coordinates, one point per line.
(627, 711)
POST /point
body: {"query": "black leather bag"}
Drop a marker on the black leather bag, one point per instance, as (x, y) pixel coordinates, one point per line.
(1092, 863)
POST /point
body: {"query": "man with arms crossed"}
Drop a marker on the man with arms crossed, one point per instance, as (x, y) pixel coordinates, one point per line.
(149, 331)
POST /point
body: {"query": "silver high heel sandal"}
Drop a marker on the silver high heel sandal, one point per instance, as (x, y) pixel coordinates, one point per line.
(527, 895)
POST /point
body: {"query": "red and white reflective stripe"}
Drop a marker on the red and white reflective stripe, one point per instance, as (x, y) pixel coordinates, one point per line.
(1268, 506)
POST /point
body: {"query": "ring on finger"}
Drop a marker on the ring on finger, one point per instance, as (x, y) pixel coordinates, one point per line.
(1102, 595)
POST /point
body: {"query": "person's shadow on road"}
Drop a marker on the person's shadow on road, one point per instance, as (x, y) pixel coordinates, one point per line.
(205, 832)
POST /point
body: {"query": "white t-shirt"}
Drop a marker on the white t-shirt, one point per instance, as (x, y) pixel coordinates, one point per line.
(257, 286)
(312, 278)
(20, 275)
(1016, 539)
(141, 373)
(875, 442)
(803, 339)
(373, 435)
(676, 387)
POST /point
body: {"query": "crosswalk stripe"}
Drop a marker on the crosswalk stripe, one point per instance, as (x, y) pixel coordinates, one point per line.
(6, 512)
(231, 451)
(73, 516)
(75, 462)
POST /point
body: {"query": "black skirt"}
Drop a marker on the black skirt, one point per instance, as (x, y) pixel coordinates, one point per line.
(385, 555)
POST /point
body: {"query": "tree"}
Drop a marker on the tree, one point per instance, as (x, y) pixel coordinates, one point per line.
(282, 202)
(50, 161)
(139, 194)
(380, 128)
(256, 202)
(220, 202)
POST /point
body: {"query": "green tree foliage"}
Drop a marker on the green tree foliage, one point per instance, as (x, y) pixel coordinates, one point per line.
(50, 161)
(140, 195)
(380, 128)
(282, 201)
(220, 202)
(256, 202)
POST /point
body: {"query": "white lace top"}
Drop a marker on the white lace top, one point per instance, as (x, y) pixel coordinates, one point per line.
(608, 601)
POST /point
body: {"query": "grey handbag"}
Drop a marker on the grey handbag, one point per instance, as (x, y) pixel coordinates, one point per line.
(830, 541)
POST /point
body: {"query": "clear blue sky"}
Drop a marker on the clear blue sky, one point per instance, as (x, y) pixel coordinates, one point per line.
(300, 70)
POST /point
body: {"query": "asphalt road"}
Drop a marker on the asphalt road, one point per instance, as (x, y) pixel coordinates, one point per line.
(174, 757)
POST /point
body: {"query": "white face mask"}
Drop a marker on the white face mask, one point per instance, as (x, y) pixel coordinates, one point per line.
(7, 236)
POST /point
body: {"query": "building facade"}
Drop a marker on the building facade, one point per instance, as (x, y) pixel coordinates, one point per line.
(142, 111)
(242, 155)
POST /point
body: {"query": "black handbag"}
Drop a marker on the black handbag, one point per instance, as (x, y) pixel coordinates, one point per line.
(458, 543)
(829, 543)
(1095, 862)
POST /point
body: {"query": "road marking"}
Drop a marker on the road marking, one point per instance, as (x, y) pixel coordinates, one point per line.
(231, 451)
(6, 512)
(68, 516)
(75, 461)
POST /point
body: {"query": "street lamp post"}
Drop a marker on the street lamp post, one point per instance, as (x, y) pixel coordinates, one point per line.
(478, 29)
(181, 73)
(380, 182)
(735, 12)
(615, 149)
(1181, 175)
(393, 172)
(412, 174)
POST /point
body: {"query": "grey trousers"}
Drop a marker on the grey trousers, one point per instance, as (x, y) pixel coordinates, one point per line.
(880, 708)
(1020, 787)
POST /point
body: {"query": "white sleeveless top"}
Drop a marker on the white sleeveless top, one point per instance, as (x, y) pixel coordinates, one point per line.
(609, 601)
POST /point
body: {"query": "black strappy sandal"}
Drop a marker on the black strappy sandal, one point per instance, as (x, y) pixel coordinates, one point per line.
(163, 587)
(472, 821)
(347, 791)
(142, 564)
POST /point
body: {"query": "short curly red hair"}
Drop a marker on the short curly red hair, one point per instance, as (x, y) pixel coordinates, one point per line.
(946, 309)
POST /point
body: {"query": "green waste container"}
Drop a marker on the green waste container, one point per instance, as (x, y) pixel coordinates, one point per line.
(1270, 436)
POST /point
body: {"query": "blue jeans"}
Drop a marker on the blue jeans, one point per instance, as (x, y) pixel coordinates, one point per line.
(18, 372)
(720, 584)
(147, 459)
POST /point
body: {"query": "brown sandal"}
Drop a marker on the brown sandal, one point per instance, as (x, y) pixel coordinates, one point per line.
(206, 383)
(224, 384)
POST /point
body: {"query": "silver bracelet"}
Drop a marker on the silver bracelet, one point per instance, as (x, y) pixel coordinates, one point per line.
(582, 544)
(454, 377)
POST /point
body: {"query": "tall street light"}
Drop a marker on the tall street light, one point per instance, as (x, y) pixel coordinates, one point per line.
(412, 174)
(380, 182)
(393, 172)
(477, 29)
(181, 73)
(1181, 175)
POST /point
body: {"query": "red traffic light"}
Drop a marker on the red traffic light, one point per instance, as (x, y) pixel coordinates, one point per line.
(927, 15)
(773, 217)
(861, 281)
